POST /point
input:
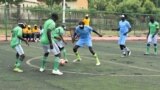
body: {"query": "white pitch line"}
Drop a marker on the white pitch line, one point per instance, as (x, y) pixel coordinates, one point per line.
(28, 62)
(82, 73)
(130, 66)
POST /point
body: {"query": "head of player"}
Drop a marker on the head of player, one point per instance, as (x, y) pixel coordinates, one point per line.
(54, 16)
(81, 25)
(22, 25)
(151, 19)
(123, 17)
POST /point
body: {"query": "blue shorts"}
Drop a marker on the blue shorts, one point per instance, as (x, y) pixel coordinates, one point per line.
(82, 42)
(122, 39)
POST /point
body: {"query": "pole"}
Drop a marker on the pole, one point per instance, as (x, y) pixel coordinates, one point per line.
(64, 9)
(5, 20)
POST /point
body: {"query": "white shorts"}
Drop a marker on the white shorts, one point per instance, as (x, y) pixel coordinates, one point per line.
(152, 40)
(55, 49)
(19, 49)
(60, 44)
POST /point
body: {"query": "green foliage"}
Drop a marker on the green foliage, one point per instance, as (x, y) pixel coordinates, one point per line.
(127, 6)
(149, 7)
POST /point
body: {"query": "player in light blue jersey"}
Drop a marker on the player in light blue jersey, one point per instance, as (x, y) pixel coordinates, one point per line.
(124, 28)
(84, 34)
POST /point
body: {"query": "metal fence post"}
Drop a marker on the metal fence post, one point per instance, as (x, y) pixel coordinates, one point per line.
(5, 20)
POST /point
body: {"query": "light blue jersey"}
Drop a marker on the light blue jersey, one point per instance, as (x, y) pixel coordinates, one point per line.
(84, 33)
(123, 28)
(84, 36)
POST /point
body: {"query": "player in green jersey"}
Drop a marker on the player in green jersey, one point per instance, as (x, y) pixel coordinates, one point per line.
(16, 44)
(49, 45)
(152, 35)
(57, 34)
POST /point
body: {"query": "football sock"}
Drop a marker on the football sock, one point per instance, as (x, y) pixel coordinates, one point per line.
(56, 63)
(77, 55)
(126, 49)
(43, 61)
(18, 63)
(124, 52)
(96, 56)
(148, 49)
(155, 48)
(64, 53)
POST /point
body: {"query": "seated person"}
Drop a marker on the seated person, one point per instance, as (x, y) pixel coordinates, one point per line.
(29, 33)
(36, 33)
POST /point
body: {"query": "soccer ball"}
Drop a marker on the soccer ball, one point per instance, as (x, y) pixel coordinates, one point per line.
(62, 62)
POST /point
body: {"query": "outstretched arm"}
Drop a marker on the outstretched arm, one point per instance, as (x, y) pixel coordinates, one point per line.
(117, 29)
(63, 39)
(23, 40)
(97, 33)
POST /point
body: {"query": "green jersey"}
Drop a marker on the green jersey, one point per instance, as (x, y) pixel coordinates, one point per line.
(59, 31)
(48, 25)
(17, 31)
(153, 27)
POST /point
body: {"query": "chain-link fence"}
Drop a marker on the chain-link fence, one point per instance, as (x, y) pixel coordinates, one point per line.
(101, 21)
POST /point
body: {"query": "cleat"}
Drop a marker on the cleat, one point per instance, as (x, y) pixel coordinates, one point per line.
(57, 72)
(17, 70)
(76, 60)
(123, 55)
(98, 63)
(42, 69)
(146, 54)
(155, 53)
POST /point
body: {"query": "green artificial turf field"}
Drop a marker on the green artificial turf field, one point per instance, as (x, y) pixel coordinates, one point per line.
(136, 72)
